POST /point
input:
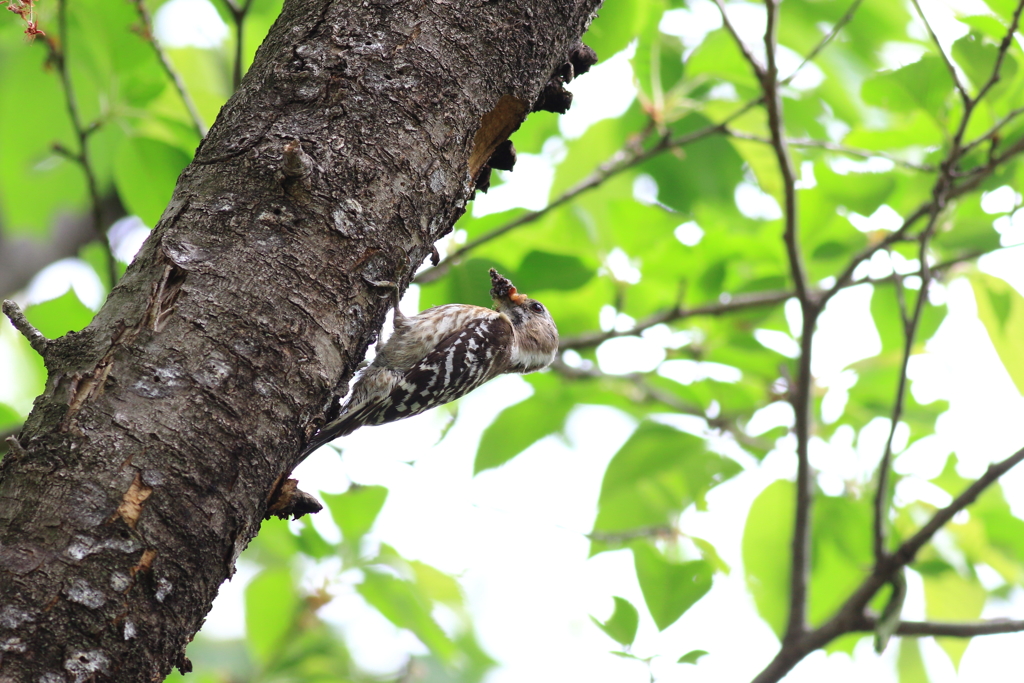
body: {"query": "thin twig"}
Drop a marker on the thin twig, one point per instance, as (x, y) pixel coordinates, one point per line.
(909, 333)
(36, 339)
(843, 21)
(994, 130)
(945, 58)
(1004, 47)
(833, 147)
(82, 132)
(759, 69)
(911, 546)
(987, 627)
(739, 302)
(179, 84)
(238, 13)
(728, 304)
(800, 394)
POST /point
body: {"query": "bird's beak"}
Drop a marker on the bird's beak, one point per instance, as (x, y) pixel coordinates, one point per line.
(504, 292)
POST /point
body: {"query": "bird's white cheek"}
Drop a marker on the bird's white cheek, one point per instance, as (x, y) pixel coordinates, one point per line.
(531, 359)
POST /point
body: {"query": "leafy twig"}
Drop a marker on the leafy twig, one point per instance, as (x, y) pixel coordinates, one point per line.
(628, 157)
(179, 84)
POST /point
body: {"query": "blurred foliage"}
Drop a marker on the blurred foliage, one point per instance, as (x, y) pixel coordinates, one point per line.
(667, 234)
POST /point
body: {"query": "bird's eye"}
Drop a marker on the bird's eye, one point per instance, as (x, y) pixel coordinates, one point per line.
(536, 307)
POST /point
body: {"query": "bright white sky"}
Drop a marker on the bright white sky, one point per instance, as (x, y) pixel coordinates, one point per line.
(515, 535)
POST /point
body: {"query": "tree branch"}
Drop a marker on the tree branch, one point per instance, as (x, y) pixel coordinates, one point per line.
(739, 302)
(843, 21)
(238, 13)
(945, 58)
(851, 617)
(951, 630)
(82, 132)
(909, 333)
(833, 147)
(165, 61)
(36, 340)
(759, 69)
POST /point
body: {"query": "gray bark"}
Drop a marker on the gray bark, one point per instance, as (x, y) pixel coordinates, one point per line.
(168, 427)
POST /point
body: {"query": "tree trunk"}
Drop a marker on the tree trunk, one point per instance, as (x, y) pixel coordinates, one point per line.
(169, 425)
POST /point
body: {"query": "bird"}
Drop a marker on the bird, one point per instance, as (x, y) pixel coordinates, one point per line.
(443, 354)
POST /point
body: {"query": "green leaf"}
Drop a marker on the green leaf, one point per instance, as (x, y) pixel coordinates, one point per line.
(617, 23)
(860, 192)
(925, 84)
(691, 657)
(57, 317)
(271, 606)
(355, 510)
(543, 270)
(977, 57)
(1001, 309)
(656, 474)
(767, 537)
(951, 597)
(621, 626)
(707, 170)
(404, 605)
(890, 619)
(312, 543)
(520, 426)
(669, 589)
(145, 172)
(436, 585)
(910, 665)
(9, 417)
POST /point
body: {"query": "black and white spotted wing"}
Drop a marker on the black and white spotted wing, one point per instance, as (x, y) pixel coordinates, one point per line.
(458, 365)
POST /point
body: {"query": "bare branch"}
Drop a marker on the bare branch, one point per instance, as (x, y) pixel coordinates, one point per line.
(945, 58)
(238, 11)
(843, 21)
(994, 131)
(728, 304)
(1004, 47)
(833, 147)
(759, 69)
(82, 132)
(35, 338)
(951, 630)
(909, 333)
(739, 302)
(179, 84)
(911, 546)
(800, 392)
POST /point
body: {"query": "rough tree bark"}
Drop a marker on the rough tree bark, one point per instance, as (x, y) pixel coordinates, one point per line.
(169, 425)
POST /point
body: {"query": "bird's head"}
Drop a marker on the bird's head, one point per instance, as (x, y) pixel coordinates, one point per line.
(536, 337)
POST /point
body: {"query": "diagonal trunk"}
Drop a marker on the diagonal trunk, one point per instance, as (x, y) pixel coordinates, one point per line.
(170, 424)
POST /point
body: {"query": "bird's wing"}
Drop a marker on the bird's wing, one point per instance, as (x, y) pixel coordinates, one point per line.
(460, 363)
